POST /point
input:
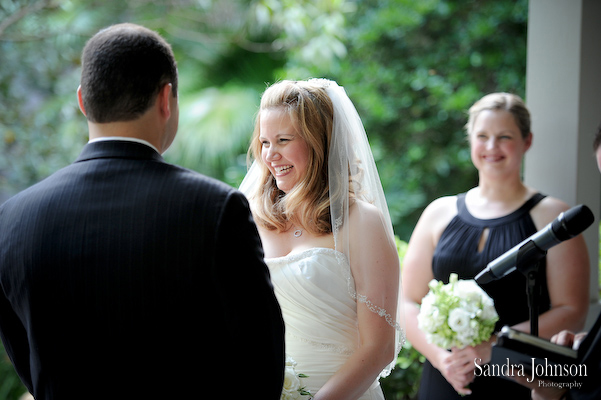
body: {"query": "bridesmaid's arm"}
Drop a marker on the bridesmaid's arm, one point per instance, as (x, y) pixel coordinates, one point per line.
(375, 268)
(567, 277)
(417, 273)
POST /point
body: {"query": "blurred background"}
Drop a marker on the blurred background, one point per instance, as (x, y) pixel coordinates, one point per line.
(412, 68)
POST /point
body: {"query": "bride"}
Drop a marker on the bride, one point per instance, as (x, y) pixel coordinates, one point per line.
(318, 203)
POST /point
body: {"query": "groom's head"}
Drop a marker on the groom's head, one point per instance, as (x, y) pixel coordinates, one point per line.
(124, 67)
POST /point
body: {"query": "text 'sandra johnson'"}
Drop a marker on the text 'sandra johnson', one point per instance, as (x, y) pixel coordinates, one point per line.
(537, 370)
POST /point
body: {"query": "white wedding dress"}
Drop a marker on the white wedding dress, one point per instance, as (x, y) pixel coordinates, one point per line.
(320, 314)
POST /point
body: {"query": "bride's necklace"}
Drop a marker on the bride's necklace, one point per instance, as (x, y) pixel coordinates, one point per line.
(296, 231)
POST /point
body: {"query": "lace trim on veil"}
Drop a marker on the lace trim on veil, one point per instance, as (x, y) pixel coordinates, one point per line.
(351, 164)
(342, 261)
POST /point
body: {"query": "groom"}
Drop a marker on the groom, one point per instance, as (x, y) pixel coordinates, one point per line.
(124, 277)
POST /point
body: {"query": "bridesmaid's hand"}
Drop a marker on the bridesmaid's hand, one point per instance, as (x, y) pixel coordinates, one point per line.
(480, 354)
(458, 366)
(456, 371)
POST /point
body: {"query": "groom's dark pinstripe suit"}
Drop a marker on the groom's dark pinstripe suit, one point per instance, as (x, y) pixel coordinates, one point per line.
(123, 276)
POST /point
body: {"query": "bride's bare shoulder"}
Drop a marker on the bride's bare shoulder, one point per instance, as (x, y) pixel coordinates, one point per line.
(366, 219)
(360, 210)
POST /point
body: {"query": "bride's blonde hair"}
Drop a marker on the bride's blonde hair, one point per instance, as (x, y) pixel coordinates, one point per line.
(307, 204)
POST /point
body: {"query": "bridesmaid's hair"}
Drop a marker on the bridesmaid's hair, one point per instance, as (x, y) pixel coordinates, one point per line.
(501, 101)
(307, 204)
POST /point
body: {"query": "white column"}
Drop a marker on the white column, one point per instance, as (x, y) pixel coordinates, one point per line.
(563, 93)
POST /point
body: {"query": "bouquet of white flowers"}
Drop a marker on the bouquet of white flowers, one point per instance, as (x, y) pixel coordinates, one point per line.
(458, 314)
(292, 389)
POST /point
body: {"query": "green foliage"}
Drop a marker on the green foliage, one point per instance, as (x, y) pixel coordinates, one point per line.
(412, 68)
(11, 387)
(214, 131)
(38, 128)
(403, 382)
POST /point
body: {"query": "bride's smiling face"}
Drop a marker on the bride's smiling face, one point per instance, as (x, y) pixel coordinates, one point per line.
(283, 150)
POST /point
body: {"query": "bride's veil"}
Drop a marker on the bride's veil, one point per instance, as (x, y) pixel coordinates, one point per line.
(350, 162)
(351, 169)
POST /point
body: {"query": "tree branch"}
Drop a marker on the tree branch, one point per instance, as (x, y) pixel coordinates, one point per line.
(24, 11)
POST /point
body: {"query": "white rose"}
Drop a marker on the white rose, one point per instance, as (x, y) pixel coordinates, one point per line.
(290, 395)
(469, 291)
(470, 308)
(428, 301)
(291, 383)
(459, 320)
(439, 340)
(465, 338)
(430, 319)
(438, 319)
(488, 310)
(433, 284)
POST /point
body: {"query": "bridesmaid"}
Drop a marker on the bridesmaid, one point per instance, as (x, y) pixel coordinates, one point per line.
(464, 233)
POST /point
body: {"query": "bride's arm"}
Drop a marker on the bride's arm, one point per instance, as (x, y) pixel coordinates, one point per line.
(375, 268)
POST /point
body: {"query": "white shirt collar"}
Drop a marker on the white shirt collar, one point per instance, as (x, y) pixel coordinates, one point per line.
(124, 139)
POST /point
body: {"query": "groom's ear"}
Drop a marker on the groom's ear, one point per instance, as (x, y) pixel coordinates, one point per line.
(163, 101)
(80, 101)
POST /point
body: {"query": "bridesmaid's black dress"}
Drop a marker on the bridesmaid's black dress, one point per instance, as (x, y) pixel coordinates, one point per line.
(457, 251)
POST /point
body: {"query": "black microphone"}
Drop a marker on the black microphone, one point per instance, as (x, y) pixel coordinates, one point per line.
(566, 226)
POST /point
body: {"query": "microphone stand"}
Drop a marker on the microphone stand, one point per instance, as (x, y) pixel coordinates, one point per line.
(527, 262)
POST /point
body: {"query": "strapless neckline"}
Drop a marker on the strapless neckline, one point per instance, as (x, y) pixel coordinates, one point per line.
(295, 256)
(314, 288)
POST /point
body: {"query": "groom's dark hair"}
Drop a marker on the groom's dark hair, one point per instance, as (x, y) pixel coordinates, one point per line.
(123, 69)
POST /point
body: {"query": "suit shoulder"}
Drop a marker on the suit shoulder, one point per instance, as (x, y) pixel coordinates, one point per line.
(206, 186)
(190, 176)
(34, 192)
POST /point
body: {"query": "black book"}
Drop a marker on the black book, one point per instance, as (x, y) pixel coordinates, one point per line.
(520, 354)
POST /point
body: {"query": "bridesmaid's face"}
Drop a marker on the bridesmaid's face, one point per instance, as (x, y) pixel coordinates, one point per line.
(497, 145)
(283, 150)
